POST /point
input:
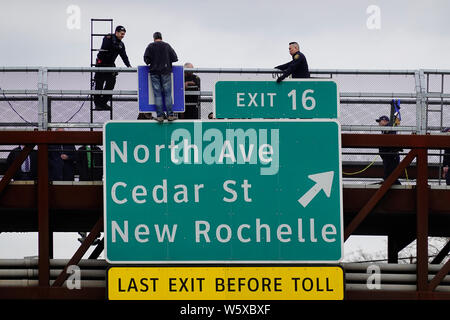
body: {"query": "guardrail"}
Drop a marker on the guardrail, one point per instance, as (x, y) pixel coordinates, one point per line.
(366, 89)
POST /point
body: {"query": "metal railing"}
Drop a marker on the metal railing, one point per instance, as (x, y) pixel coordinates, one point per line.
(363, 94)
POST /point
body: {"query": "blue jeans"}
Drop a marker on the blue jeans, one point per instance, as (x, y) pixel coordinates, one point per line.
(162, 88)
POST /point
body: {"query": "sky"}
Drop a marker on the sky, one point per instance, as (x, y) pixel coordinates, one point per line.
(346, 34)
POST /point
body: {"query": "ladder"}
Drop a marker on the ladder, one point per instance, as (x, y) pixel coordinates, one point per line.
(94, 52)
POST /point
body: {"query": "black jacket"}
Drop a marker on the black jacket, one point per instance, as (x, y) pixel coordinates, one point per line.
(192, 77)
(298, 67)
(446, 159)
(110, 49)
(95, 170)
(21, 175)
(59, 169)
(159, 55)
(389, 151)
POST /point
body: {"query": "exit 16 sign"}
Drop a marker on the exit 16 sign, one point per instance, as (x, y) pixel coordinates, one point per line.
(295, 99)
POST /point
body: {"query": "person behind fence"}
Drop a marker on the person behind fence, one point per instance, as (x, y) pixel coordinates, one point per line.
(298, 67)
(61, 159)
(28, 169)
(159, 55)
(192, 102)
(446, 161)
(90, 163)
(112, 46)
(389, 155)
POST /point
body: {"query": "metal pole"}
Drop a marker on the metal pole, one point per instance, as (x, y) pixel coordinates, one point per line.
(418, 89)
(422, 219)
(43, 98)
(40, 98)
(423, 103)
(43, 216)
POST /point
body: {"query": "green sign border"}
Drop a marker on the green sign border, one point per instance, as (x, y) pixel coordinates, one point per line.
(233, 262)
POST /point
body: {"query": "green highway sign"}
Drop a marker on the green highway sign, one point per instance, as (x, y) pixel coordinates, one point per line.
(242, 191)
(305, 99)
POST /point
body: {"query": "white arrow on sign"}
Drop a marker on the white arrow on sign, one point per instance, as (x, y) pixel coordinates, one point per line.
(323, 181)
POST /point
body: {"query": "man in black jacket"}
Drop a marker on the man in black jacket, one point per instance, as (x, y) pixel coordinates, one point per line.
(389, 155)
(90, 163)
(159, 55)
(298, 67)
(112, 46)
(192, 103)
(61, 159)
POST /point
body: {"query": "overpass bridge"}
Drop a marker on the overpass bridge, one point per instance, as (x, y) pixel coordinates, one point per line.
(414, 211)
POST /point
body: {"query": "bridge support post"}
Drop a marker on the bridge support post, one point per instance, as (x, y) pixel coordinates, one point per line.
(422, 219)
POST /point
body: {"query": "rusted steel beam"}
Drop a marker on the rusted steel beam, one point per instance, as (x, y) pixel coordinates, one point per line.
(15, 166)
(87, 197)
(18, 211)
(98, 250)
(422, 220)
(442, 254)
(51, 137)
(439, 276)
(406, 141)
(377, 171)
(95, 232)
(43, 216)
(348, 140)
(362, 214)
(69, 196)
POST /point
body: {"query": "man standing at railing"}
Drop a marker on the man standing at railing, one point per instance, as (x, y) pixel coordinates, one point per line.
(191, 83)
(112, 46)
(28, 169)
(389, 155)
(159, 55)
(298, 67)
(61, 159)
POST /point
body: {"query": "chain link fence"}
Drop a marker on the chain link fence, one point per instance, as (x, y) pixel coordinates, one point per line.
(364, 96)
(49, 98)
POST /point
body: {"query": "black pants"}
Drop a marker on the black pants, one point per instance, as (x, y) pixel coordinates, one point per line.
(104, 81)
(390, 162)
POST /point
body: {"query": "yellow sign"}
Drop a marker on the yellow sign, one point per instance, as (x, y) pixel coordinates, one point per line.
(226, 283)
